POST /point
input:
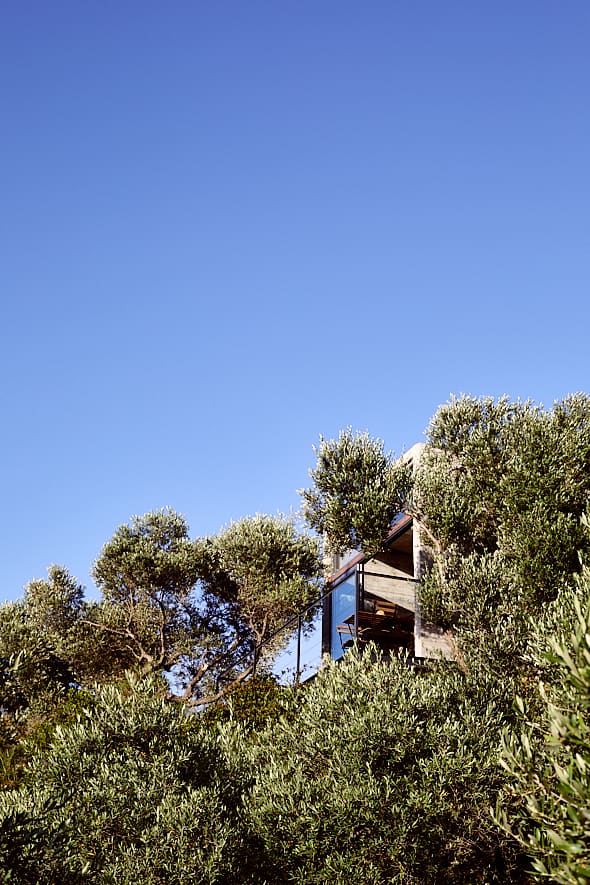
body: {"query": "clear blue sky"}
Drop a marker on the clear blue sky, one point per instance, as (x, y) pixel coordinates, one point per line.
(229, 227)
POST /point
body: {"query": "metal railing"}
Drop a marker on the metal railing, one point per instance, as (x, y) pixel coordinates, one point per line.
(300, 656)
(292, 654)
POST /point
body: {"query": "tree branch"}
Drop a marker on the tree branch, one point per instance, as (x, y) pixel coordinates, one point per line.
(212, 699)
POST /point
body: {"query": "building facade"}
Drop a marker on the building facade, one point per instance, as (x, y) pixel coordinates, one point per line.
(377, 599)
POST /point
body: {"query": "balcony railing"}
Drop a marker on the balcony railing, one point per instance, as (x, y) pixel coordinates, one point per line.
(301, 653)
(356, 609)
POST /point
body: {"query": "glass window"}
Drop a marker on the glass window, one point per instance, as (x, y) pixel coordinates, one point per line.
(343, 601)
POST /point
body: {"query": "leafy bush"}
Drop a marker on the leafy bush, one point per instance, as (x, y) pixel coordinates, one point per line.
(384, 775)
(550, 760)
(137, 792)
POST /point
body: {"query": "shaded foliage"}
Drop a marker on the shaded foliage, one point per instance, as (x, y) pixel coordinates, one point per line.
(252, 704)
(383, 775)
(137, 791)
(547, 801)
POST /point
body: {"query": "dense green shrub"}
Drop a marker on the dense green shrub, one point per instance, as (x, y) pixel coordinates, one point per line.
(549, 760)
(384, 775)
(252, 703)
(137, 792)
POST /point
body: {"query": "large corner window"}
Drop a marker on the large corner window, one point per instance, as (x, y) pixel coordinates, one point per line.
(343, 606)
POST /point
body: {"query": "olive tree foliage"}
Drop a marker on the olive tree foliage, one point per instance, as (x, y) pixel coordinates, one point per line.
(545, 804)
(264, 572)
(499, 497)
(43, 640)
(57, 611)
(499, 494)
(383, 774)
(47, 653)
(191, 611)
(496, 473)
(357, 491)
(374, 772)
(196, 609)
(147, 574)
(133, 791)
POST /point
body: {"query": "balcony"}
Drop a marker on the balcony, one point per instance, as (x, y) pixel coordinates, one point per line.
(375, 599)
(368, 600)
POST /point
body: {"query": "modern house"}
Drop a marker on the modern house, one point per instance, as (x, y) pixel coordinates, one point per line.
(367, 599)
(377, 598)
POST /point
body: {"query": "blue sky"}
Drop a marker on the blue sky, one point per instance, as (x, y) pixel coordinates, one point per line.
(227, 228)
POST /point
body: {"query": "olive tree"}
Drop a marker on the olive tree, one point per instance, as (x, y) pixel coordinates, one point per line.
(133, 791)
(195, 610)
(382, 774)
(34, 645)
(498, 496)
(500, 492)
(148, 574)
(257, 575)
(545, 803)
(357, 491)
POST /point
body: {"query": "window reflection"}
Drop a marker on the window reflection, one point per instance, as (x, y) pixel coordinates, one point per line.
(343, 607)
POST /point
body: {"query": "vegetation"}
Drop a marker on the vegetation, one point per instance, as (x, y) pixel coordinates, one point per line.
(187, 611)
(469, 772)
(550, 762)
(358, 489)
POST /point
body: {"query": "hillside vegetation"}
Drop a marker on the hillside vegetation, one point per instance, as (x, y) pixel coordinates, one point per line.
(137, 745)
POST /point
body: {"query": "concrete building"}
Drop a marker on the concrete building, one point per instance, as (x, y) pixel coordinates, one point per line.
(377, 598)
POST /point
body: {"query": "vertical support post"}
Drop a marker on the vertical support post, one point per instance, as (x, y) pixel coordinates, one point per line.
(327, 624)
(418, 571)
(298, 670)
(358, 596)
